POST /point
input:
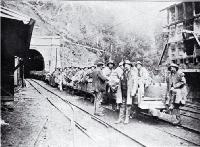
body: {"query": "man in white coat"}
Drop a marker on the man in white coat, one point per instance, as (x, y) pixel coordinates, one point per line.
(143, 82)
(128, 88)
(114, 83)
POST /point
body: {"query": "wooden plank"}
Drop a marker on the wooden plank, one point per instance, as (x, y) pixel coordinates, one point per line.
(189, 70)
(191, 123)
(7, 98)
(176, 13)
(151, 99)
(184, 11)
(151, 105)
(163, 52)
(181, 21)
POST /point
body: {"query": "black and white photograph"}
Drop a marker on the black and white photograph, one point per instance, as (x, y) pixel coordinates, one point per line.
(105, 73)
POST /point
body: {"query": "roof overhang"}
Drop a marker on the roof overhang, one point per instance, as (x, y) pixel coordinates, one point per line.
(11, 14)
(16, 32)
(171, 5)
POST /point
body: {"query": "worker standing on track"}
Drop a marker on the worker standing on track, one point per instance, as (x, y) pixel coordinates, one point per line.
(177, 92)
(99, 85)
(128, 90)
(64, 76)
(107, 71)
(114, 83)
(143, 82)
(60, 79)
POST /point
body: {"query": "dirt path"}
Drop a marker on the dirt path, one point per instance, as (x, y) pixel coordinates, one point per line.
(34, 122)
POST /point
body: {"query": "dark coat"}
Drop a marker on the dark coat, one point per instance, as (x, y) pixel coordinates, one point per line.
(99, 81)
(178, 82)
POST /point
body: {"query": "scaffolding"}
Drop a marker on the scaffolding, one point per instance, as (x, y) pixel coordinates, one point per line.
(183, 32)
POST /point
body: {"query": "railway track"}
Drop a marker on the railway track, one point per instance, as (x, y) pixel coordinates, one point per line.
(77, 124)
(190, 114)
(106, 124)
(159, 127)
(73, 122)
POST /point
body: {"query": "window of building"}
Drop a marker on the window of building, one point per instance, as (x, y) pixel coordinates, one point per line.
(179, 12)
(197, 25)
(172, 17)
(189, 44)
(179, 29)
(181, 49)
(172, 31)
(189, 10)
(188, 25)
(197, 49)
(197, 8)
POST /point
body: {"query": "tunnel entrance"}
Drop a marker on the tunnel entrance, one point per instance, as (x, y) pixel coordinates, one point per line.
(35, 62)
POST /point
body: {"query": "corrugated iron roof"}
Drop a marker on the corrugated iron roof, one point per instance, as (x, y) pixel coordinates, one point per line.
(8, 13)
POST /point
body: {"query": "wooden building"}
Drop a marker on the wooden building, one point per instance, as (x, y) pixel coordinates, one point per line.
(182, 46)
(16, 32)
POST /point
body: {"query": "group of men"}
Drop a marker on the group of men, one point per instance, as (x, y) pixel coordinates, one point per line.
(128, 82)
(126, 85)
(72, 75)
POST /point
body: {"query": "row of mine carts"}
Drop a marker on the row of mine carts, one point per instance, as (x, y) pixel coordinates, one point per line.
(79, 82)
(75, 81)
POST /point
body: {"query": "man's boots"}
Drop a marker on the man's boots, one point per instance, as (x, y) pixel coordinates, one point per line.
(177, 117)
(128, 109)
(121, 114)
(134, 111)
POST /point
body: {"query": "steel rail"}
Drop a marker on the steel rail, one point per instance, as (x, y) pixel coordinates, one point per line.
(72, 120)
(189, 111)
(179, 125)
(42, 128)
(177, 136)
(80, 127)
(193, 107)
(93, 116)
(186, 128)
(107, 124)
(186, 115)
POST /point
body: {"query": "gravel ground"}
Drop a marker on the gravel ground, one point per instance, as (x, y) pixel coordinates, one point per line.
(34, 122)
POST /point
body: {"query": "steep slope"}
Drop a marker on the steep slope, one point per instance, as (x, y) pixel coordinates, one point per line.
(71, 55)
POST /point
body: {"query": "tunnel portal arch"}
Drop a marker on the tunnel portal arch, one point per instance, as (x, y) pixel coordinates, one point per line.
(35, 62)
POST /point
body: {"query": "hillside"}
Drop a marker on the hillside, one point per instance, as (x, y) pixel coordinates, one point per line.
(92, 25)
(71, 54)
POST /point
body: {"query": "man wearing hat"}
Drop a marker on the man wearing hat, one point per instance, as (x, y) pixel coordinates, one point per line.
(114, 82)
(67, 71)
(128, 90)
(99, 85)
(107, 71)
(143, 82)
(85, 78)
(177, 92)
(70, 72)
(63, 79)
(77, 76)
